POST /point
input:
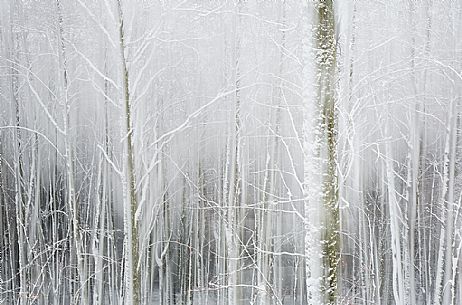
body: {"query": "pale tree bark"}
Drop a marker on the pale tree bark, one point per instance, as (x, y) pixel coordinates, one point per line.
(450, 263)
(396, 218)
(101, 213)
(320, 145)
(266, 286)
(446, 203)
(233, 197)
(71, 188)
(311, 169)
(413, 163)
(424, 257)
(350, 175)
(131, 260)
(449, 224)
(18, 150)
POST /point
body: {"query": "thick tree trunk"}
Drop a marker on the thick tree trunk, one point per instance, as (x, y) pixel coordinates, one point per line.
(320, 144)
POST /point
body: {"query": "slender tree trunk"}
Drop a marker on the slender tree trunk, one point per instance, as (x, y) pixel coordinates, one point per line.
(132, 272)
(71, 190)
(20, 191)
(234, 209)
(446, 175)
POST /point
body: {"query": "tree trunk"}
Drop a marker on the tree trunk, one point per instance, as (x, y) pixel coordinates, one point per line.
(132, 272)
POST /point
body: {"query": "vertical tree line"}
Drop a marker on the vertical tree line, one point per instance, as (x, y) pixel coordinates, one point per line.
(232, 152)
